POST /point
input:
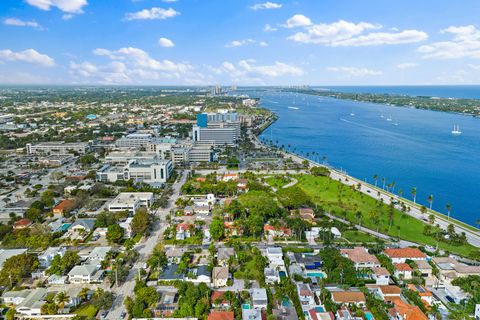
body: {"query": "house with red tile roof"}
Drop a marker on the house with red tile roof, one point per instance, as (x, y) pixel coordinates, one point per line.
(63, 207)
(405, 311)
(22, 224)
(360, 257)
(349, 297)
(281, 231)
(400, 255)
(403, 271)
(218, 300)
(221, 315)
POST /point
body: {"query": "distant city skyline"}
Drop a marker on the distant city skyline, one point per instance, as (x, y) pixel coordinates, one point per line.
(193, 42)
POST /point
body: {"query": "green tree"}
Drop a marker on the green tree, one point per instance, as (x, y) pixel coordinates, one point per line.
(217, 229)
(62, 298)
(141, 222)
(10, 315)
(115, 233)
(17, 268)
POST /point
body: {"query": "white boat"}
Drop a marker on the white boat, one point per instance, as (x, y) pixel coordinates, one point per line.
(294, 108)
(352, 114)
(389, 118)
(456, 130)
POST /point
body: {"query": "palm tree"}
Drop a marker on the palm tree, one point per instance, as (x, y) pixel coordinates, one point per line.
(383, 182)
(449, 209)
(414, 195)
(431, 219)
(430, 200)
(400, 192)
(84, 294)
(375, 178)
(62, 298)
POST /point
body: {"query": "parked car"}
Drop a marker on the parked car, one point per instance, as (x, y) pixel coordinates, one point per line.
(450, 299)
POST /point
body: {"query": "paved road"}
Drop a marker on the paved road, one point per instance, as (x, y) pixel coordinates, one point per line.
(473, 237)
(144, 248)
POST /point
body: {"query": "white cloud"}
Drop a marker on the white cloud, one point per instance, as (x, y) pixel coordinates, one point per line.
(269, 28)
(350, 72)
(239, 43)
(69, 6)
(166, 43)
(29, 55)
(384, 38)
(407, 65)
(67, 16)
(465, 43)
(21, 23)
(152, 14)
(247, 71)
(266, 5)
(298, 20)
(346, 33)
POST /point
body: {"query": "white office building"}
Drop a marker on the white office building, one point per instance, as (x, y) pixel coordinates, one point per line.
(155, 173)
(221, 135)
(134, 140)
(123, 158)
(57, 148)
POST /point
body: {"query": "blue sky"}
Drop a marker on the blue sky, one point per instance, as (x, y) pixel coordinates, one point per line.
(205, 42)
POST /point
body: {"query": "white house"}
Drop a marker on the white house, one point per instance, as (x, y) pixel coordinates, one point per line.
(305, 294)
(27, 302)
(86, 273)
(47, 256)
(259, 298)
(219, 276)
(207, 201)
(199, 274)
(403, 271)
(271, 275)
(183, 231)
(381, 276)
(275, 256)
(400, 255)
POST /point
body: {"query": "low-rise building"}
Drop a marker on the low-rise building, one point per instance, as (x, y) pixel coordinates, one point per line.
(400, 255)
(360, 257)
(219, 277)
(85, 273)
(403, 271)
(306, 296)
(259, 298)
(131, 201)
(57, 148)
(47, 256)
(349, 297)
(381, 276)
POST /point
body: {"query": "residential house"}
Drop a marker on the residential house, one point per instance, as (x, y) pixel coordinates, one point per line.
(275, 256)
(97, 255)
(308, 261)
(131, 201)
(381, 276)
(47, 256)
(169, 273)
(221, 315)
(223, 255)
(271, 275)
(64, 207)
(252, 314)
(400, 255)
(217, 299)
(285, 312)
(220, 277)
(199, 274)
(344, 313)
(183, 231)
(231, 229)
(259, 298)
(306, 214)
(360, 257)
(85, 273)
(405, 311)
(306, 296)
(27, 302)
(188, 211)
(450, 269)
(389, 293)
(349, 297)
(403, 271)
(22, 224)
(242, 185)
(201, 209)
(425, 294)
(426, 271)
(174, 255)
(280, 232)
(316, 315)
(230, 177)
(81, 228)
(167, 304)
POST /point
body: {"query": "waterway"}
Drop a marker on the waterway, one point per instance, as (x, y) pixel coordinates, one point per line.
(414, 149)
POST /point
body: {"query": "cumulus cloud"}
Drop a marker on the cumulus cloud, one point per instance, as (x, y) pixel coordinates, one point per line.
(239, 43)
(266, 5)
(21, 23)
(346, 33)
(464, 43)
(152, 14)
(130, 65)
(165, 42)
(407, 65)
(29, 56)
(298, 20)
(350, 72)
(69, 6)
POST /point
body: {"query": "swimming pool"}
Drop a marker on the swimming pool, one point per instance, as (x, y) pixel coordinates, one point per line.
(282, 274)
(320, 309)
(246, 306)
(315, 274)
(369, 316)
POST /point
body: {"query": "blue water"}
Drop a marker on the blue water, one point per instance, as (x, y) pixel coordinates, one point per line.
(419, 152)
(369, 316)
(315, 274)
(320, 309)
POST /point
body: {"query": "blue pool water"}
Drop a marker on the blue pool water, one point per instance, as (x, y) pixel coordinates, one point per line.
(246, 306)
(419, 151)
(369, 316)
(315, 274)
(282, 274)
(319, 309)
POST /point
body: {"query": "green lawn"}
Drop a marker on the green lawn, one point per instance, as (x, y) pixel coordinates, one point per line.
(358, 236)
(343, 201)
(87, 311)
(277, 181)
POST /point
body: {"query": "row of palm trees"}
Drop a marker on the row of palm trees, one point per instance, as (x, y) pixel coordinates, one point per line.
(413, 192)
